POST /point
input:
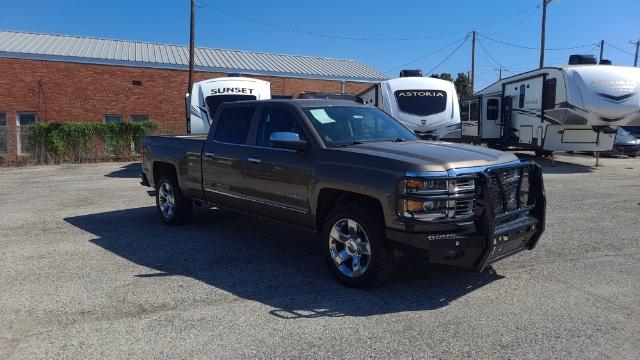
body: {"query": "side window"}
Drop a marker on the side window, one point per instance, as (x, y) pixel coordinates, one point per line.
(492, 109)
(474, 110)
(233, 125)
(521, 98)
(549, 101)
(275, 119)
(464, 111)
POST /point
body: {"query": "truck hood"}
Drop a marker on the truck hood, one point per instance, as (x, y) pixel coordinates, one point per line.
(432, 155)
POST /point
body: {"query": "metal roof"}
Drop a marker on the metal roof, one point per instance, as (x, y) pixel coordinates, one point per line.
(24, 45)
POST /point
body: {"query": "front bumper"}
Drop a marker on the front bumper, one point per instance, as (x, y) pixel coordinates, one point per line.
(492, 236)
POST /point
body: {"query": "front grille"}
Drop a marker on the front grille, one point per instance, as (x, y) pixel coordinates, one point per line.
(507, 190)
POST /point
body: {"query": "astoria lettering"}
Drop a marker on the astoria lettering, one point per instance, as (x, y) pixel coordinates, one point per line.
(230, 90)
(421, 93)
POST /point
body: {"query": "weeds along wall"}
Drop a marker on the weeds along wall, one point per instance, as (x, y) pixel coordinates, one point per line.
(85, 142)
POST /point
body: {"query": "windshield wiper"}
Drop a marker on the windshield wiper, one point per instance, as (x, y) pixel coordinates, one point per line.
(399, 140)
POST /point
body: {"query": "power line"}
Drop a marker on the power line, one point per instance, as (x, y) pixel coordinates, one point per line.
(450, 55)
(491, 57)
(535, 10)
(622, 50)
(533, 48)
(202, 4)
(429, 54)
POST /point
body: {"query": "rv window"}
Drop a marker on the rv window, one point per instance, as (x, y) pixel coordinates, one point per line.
(521, 99)
(474, 111)
(492, 109)
(276, 120)
(233, 126)
(213, 102)
(464, 111)
(550, 94)
(421, 102)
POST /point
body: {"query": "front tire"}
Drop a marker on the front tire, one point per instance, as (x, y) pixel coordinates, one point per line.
(174, 208)
(355, 248)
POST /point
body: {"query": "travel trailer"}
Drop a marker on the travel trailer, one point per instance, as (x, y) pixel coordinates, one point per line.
(426, 105)
(206, 96)
(571, 108)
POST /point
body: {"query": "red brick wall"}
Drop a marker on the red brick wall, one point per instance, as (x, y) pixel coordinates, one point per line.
(64, 91)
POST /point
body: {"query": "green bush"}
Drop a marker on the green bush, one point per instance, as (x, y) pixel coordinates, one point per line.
(75, 141)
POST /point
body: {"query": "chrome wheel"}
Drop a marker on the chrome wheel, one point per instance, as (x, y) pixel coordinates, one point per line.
(349, 248)
(166, 200)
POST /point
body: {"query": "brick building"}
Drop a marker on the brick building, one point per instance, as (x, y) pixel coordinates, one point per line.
(55, 78)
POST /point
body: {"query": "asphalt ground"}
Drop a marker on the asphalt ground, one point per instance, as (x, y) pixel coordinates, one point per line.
(88, 271)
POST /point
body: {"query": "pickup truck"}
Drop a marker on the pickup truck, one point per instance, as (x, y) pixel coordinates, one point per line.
(368, 185)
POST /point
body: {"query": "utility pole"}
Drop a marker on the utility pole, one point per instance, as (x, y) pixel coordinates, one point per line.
(601, 50)
(191, 55)
(500, 71)
(542, 33)
(473, 61)
(635, 58)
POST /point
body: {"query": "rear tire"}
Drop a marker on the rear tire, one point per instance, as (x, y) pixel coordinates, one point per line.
(355, 248)
(174, 208)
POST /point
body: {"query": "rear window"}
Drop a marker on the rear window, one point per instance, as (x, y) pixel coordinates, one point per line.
(421, 102)
(214, 102)
(233, 125)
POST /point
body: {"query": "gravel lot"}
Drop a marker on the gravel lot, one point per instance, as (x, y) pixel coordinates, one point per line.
(88, 271)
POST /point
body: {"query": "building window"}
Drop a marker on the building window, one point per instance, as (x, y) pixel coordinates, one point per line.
(139, 118)
(4, 133)
(25, 142)
(112, 119)
(492, 109)
(521, 98)
(549, 94)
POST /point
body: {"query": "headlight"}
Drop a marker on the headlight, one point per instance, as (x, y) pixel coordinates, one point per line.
(420, 186)
(424, 210)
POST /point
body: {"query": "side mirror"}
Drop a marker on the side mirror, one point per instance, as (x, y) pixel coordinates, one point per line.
(287, 140)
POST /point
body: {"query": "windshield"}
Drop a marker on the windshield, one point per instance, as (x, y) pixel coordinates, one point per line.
(421, 102)
(346, 125)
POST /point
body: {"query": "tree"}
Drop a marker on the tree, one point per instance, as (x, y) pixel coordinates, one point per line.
(462, 84)
(443, 76)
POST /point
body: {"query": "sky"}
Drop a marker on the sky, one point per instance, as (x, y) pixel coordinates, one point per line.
(389, 35)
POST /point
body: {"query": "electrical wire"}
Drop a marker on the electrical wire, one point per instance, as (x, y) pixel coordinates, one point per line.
(533, 48)
(450, 55)
(518, 23)
(617, 48)
(427, 55)
(202, 4)
(491, 57)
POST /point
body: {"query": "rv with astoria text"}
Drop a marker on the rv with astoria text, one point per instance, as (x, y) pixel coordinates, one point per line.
(426, 105)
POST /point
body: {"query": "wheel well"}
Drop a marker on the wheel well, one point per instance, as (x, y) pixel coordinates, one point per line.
(160, 169)
(328, 199)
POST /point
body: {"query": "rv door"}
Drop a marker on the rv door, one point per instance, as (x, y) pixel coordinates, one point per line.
(507, 106)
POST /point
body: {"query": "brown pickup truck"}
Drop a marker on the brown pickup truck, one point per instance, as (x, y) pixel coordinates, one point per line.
(363, 181)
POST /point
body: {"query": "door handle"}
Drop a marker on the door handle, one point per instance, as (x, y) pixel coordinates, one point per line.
(208, 154)
(254, 160)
